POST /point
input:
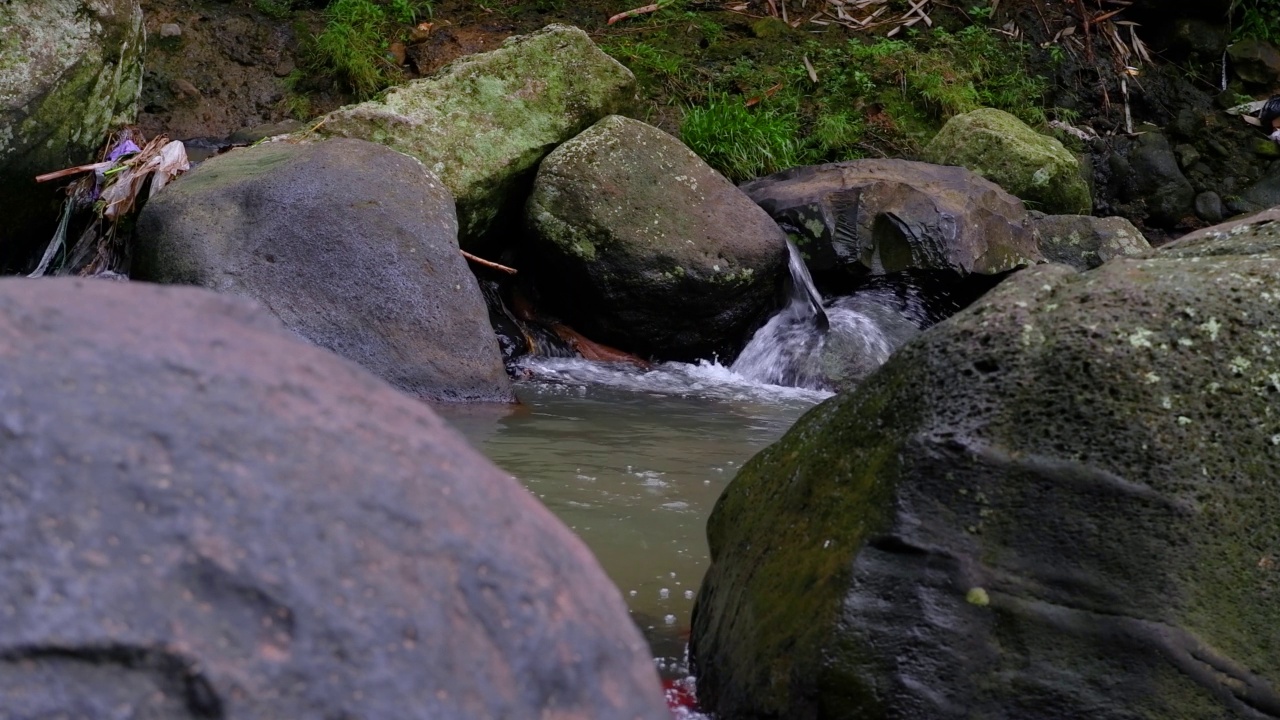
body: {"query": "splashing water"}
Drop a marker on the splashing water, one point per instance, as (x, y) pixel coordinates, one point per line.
(832, 348)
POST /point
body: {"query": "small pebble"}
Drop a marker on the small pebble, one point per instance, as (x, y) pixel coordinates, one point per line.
(170, 30)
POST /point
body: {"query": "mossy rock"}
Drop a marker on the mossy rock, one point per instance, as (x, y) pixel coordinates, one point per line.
(1058, 503)
(648, 247)
(1003, 149)
(482, 123)
(70, 70)
(1084, 241)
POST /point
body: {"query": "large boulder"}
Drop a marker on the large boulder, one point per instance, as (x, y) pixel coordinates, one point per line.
(1084, 241)
(69, 71)
(1003, 149)
(883, 216)
(647, 247)
(1057, 504)
(484, 122)
(205, 517)
(353, 245)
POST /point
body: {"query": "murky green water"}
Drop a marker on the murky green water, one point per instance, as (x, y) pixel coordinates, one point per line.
(634, 463)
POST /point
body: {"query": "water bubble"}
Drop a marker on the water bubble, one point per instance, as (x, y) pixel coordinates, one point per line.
(669, 619)
(688, 594)
(664, 593)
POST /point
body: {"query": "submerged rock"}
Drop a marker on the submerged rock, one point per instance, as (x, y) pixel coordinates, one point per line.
(646, 247)
(205, 517)
(1084, 241)
(885, 216)
(69, 71)
(353, 245)
(484, 122)
(1003, 149)
(1059, 503)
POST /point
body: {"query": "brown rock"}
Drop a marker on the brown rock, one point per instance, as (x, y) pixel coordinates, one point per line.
(205, 517)
(883, 216)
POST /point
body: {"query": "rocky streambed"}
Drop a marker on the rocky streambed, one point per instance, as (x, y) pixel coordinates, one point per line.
(1054, 499)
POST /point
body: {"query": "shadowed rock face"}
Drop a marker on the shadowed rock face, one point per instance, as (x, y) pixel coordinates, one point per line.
(353, 245)
(202, 516)
(883, 216)
(652, 249)
(69, 71)
(1059, 503)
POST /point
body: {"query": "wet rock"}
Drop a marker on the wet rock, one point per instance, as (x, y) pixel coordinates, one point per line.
(1151, 175)
(483, 123)
(69, 71)
(882, 216)
(1209, 206)
(647, 247)
(1255, 61)
(206, 517)
(1265, 193)
(1003, 149)
(351, 244)
(1085, 241)
(1041, 508)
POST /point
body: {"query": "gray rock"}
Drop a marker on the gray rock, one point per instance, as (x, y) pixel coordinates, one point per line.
(1265, 193)
(647, 247)
(1156, 180)
(1042, 508)
(170, 30)
(205, 517)
(883, 216)
(351, 244)
(1255, 61)
(1209, 206)
(484, 122)
(1084, 241)
(69, 71)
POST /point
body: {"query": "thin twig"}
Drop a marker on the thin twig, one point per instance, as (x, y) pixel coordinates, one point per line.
(633, 13)
(488, 263)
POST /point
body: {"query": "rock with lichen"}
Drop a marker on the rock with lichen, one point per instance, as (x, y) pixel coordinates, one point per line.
(1003, 149)
(1058, 503)
(483, 122)
(1084, 241)
(70, 70)
(650, 248)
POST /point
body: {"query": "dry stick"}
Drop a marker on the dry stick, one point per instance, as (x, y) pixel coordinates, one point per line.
(633, 13)
(488, 263)
(72, 171)
(784, 12)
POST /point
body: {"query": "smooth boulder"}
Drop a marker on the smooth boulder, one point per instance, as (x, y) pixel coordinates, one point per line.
(205, 517)
(1084, 241)
(1003, 149)
(483, 122)
(1059, 503)
(883, 216)
(646, 247)
(70, 70)
(353, 245)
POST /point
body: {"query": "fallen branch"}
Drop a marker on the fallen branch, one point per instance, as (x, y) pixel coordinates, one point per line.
(488, 263)
(633, 13)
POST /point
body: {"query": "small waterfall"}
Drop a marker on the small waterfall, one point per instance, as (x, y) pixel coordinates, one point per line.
(827, 348)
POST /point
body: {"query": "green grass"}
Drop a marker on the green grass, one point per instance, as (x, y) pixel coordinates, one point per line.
(872, 96)
(741, 142)
(352, 48)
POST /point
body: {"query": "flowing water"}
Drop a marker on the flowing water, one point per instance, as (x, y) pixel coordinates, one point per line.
(633, 460)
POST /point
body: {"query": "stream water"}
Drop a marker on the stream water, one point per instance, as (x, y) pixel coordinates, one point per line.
(633, 460)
